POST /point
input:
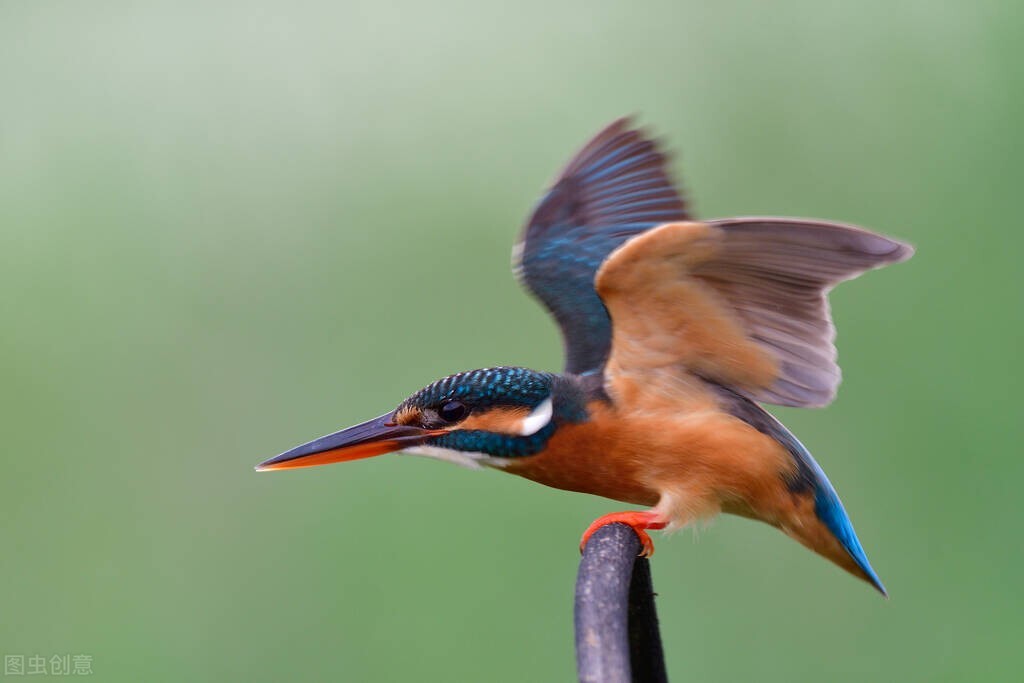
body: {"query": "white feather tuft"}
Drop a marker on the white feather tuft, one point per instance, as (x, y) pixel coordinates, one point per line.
(537, 420)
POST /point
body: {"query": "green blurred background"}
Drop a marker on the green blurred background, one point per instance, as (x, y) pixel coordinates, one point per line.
(226, 228)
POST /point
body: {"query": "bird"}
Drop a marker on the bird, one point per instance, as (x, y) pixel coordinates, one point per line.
(676, 331)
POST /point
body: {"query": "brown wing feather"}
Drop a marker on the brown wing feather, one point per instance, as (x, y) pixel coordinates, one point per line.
(739, 301)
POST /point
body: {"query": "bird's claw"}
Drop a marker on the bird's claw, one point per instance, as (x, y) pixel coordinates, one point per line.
(638, 521)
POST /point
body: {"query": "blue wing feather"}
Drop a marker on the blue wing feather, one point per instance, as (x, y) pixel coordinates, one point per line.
(614, 188)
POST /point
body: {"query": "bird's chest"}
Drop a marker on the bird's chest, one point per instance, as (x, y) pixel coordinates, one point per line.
(592, 458)
(707, 457)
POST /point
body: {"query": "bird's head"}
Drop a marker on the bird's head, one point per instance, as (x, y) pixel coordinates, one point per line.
(477, 417)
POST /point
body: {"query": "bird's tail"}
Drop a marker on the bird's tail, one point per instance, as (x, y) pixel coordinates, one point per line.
(814, 514)
(826, 529)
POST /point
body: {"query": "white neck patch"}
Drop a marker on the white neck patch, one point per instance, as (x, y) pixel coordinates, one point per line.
(471, 459)
(537, 420)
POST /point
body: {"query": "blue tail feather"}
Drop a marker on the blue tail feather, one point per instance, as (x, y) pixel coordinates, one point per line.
(830, 511)
(827, 505)
(809, 478)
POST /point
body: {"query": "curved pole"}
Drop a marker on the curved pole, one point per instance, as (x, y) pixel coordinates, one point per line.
(617, 637)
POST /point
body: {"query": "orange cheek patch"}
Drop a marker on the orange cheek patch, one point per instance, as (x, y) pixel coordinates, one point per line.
(498, 420)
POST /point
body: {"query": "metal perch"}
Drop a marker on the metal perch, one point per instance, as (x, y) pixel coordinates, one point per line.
(617, 636)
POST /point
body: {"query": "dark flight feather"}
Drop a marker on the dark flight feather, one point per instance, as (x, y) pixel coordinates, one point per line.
(776, 274)
(614, 188)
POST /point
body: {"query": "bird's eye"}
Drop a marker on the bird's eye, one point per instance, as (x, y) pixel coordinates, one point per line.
(452, 411)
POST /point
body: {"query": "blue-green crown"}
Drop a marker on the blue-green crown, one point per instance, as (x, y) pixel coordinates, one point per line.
(486, 388)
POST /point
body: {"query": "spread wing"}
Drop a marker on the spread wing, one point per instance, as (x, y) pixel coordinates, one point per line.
(742, 302)
(614, 188)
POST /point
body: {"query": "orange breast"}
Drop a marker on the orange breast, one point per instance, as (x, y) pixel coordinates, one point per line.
(703, 461)
(596, 456)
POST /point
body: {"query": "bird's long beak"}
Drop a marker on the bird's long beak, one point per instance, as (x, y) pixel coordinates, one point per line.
(376, 437)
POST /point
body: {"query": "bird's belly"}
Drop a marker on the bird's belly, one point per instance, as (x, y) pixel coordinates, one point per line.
(689, 466)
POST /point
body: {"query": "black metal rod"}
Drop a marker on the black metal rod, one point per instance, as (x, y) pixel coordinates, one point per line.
(617, 636)
(646, 655)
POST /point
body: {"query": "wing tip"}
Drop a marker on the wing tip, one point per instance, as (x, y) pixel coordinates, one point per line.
(903, 251)
(883, 249)
(887, 250)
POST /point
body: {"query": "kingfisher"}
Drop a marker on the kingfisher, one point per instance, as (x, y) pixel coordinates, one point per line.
(675, 331)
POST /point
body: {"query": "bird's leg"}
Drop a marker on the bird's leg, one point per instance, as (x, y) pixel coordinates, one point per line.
(637, 520)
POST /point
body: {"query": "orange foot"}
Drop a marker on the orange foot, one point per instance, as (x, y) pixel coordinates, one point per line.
(636, 520)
